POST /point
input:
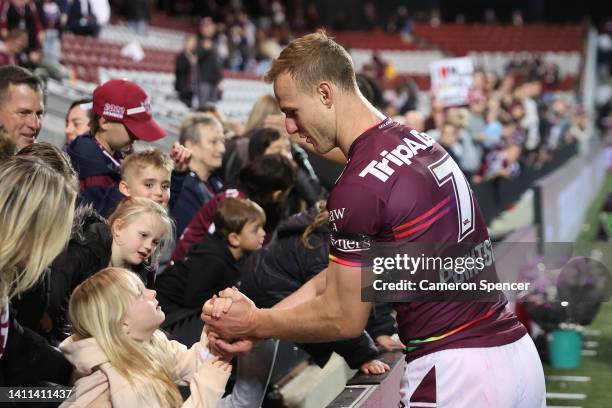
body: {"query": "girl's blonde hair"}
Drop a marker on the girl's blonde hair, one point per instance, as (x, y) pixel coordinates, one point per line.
(132, 207)
(36, 213)
(98, 308)
(265, 105)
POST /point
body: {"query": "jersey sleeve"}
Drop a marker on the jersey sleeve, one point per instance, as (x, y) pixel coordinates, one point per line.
(355, 219)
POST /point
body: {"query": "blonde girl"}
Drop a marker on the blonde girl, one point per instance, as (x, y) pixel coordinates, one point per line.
(36, 211)
(132, 238)
(140, 227)
(123, 359)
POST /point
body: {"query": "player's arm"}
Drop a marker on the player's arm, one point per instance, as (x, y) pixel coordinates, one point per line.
(338, 313)
(308, 291)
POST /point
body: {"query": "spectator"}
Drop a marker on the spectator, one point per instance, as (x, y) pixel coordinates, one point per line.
(266, 180)
(500, 163)
(21, 104)
(238, 49)
(212, 263)
(530, 121)
(32, 304)
(137, 14)
(23, 14)
(415, 120)
(203, 135)
(209, 67)
(38, 205)
(53, 16)
(13, 45)
(81, 18)
(132, 238)
(102, 10)
(185, 70)
(124, 359)
(77, 120)
(370, 18)
(121, 114)
(436, 117)
(401, 23)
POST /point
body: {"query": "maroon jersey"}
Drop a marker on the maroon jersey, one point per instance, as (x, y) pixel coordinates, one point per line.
(399, 185)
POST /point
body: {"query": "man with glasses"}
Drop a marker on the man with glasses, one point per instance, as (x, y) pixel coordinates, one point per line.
(21, 104)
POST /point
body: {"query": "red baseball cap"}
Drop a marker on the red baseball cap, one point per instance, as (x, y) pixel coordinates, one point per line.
(119, 100)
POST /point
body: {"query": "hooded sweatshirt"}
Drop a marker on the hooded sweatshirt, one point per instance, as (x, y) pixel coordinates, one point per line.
(99, 384)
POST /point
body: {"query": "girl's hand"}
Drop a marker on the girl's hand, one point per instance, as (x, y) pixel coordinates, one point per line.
(223, 365)
(374, 367)
(220, 305)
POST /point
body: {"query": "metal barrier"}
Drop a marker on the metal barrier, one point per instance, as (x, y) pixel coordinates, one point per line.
(374, 391)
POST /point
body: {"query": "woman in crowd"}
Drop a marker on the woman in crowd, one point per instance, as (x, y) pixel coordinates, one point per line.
(36, 208)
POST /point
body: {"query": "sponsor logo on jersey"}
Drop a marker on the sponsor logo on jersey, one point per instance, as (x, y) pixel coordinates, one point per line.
(398, 156)
(336, 214)
(351, 242)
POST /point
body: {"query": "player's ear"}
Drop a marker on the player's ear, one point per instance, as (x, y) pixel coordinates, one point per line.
(325, 93)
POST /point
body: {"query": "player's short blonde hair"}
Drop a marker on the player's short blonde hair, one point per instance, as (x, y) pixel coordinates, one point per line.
(313, 58)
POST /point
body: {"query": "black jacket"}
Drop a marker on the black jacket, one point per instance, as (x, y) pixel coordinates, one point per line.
(189, 197)
(274, 272)
(208, 268)
(29, 360)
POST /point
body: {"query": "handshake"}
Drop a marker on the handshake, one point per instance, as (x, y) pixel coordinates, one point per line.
(230, 322)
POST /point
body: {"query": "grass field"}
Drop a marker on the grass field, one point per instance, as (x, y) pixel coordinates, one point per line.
(598, 390)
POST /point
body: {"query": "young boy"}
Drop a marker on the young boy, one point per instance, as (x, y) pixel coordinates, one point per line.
(147, 174)
(121, 113)
(211, 264)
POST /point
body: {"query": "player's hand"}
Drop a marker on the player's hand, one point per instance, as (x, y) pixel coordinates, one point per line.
(374, 367)
(181, 156)
(238, 322)
(388, 343)
(228, 350)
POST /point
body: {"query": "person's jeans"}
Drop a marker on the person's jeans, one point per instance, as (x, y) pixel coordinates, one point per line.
(207, 92)
(139, 26)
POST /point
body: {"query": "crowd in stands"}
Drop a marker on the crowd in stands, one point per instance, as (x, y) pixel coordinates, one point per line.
(509, 121)
(30, 30)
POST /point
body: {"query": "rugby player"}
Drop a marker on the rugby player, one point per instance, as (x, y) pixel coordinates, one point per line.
(398, 184)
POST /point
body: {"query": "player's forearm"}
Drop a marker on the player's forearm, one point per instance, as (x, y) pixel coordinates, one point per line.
(306, 292)
(318, 320)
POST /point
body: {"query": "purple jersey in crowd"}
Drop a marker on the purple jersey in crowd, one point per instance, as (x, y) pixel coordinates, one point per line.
(400, 185)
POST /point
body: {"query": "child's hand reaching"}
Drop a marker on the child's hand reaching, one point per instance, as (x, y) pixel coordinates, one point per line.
(223, 365)
(374, 367)
(181, 157)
